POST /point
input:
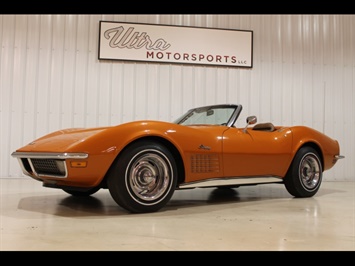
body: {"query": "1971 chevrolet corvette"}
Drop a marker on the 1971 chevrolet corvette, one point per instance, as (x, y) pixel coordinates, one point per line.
(142, 163)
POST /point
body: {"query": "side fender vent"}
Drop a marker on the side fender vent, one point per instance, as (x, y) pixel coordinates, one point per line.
(205, 163)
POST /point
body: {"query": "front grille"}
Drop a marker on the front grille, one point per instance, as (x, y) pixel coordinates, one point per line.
(36, 164)
(49, 167)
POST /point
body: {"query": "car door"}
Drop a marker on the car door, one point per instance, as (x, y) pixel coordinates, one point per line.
(256, 153)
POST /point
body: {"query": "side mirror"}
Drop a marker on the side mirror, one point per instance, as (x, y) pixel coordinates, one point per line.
(251, 120)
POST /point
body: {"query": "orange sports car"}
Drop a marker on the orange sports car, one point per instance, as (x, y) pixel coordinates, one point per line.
(142, 163)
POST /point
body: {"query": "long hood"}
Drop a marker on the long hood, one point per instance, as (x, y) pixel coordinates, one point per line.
(113, 139)
(62, 140)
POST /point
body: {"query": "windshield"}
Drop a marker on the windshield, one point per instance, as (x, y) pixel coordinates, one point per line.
(211, 115)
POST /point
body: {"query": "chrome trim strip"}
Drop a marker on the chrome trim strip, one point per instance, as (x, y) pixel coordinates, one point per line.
(49, 175)
(217, 182)
(46, 155)
(338, 157)
(35, 174)
(32, 167)
(56, 176)
(50, 155)
(23, 167)
(235, 115)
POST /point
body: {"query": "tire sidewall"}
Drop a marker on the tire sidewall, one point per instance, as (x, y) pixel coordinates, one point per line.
(293, 179)
(119, 183)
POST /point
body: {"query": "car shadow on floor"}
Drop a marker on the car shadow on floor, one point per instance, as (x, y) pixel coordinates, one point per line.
(190, 201)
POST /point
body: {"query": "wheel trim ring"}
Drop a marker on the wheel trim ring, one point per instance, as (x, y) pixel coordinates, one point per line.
(137, 184)
(310, 171)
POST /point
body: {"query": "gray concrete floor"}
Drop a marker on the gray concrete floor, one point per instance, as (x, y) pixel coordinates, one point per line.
(254, 218)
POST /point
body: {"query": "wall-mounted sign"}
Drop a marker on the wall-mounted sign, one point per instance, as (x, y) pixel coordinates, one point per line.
(175, 44)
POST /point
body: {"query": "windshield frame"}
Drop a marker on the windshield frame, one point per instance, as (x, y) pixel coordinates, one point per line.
(230, 121)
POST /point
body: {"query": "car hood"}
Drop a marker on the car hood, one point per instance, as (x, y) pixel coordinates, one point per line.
(61, 140)
(114, 138)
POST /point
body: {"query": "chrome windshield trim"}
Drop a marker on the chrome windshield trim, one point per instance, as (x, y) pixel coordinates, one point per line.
(232, 119)
(235, 115)
(50, 155)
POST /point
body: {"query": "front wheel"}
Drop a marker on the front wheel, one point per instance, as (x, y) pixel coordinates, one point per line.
(304, 177)
(143, 178)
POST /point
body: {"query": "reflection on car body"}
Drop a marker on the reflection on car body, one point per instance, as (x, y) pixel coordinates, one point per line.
(142, 163)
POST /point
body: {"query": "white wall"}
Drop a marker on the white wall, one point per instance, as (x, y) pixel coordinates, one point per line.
(50, 78)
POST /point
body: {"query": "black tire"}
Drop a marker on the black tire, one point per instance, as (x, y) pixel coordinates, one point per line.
(304, 177)
(81, 193)
(143, 178)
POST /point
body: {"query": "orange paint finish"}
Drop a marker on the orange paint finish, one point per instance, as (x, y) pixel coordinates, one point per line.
(230, 151)
(142, 163)
(256, 153)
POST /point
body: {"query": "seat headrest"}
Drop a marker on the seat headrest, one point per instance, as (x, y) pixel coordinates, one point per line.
(264, 127)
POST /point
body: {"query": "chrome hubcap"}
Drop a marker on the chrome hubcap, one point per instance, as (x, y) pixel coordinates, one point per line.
(149, 175)
(310, 171)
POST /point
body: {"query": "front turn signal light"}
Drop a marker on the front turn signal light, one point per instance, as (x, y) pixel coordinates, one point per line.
(78, 164)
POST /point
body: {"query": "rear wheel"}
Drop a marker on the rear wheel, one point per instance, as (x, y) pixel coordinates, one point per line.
(143, 178)
(304, 177)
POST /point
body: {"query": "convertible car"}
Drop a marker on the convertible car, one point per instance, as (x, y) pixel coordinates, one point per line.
(142, 163)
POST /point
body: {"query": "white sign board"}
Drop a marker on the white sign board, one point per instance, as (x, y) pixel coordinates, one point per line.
(175, 44)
